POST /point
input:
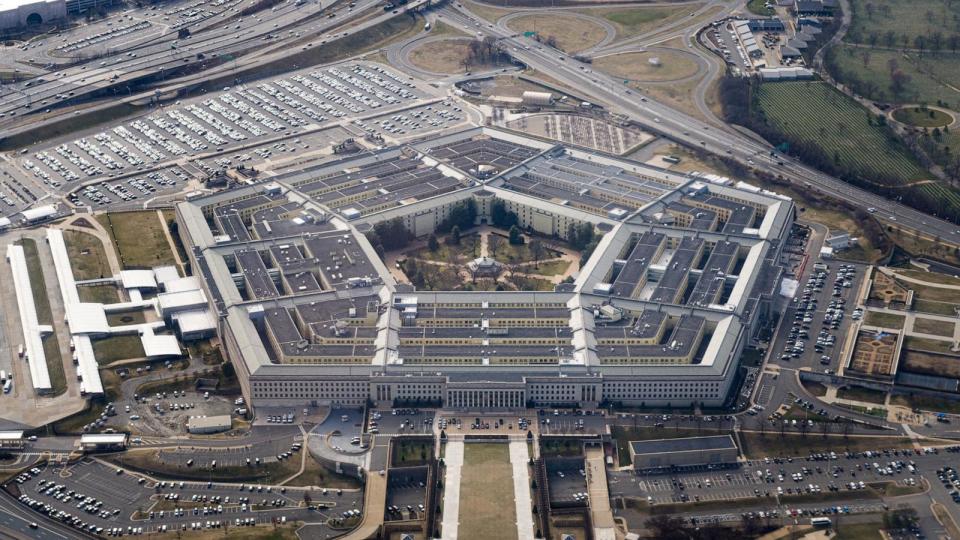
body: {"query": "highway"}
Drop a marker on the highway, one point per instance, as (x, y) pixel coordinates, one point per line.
(167, 52)
(681, 127)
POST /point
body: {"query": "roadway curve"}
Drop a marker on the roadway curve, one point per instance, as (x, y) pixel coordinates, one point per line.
(610, 31)
(688, 130)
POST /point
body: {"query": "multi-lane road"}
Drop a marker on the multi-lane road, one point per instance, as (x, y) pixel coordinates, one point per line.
(229, 37)
(679, 126)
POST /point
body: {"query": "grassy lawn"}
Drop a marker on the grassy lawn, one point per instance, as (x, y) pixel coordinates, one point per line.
(921, 117)
(892, 489)
(525, 283)
(933, 326)
(929, 277)
(924, 305)
(573, 34)
(943, 515)
(636, 66)
(315, 474)
(51, 345)
(99, 294)
(111, 349)
(122, 318)
(467, 249)
(486, 11)
(859, 531)
(139, 238)
(772, 444)
(486, 488)
(757, 8)
(550, 268)
(937, 364)
(815, 388)
(633, 21)
(904, 19)
(407, 453)
(884, 320)
(560, 448)
(856, 393)
(924, 344)
(926, 403)
(845, 137)
(868, 70)
(87, 257)
(447, 56)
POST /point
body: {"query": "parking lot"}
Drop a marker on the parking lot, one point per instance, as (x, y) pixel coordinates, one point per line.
(132, 190)
(98, 498)
(819, 314)
(414, 121)
(567, 479)
(784, 477)
(406, 493)
(236, 116)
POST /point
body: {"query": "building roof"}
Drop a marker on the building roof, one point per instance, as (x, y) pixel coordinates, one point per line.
(87, 318)
(103, 438)
(31, 328)
(40, 212)
(223, 421)
(179, 301)
(200, 320)
(189, 283)
(687, 444)
(163, 274)
(11, 435)
(160, 345)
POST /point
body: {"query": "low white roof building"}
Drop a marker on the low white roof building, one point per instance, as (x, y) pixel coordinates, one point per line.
(195, 321)
(87, 318)
(170, 303)
(189, 283)
(40, 212)
(163, 274)
(160, 345)
(138, 279)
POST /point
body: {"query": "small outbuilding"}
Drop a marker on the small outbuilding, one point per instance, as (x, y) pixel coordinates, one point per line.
(687, 452)
(209, 424)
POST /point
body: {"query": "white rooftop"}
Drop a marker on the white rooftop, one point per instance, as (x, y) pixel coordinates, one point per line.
(103, 438)
(199, 320)
(87, 318)
(11, 435)
(159, 345)
(138, 279)
(180, 301)
(164, 274)
(189, 283)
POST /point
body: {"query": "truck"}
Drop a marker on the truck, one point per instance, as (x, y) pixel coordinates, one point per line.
(3, 375)
(426, 27)
(821, 522)
(8, 386)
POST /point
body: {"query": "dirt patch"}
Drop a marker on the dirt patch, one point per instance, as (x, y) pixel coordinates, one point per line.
(447, 56)
(572, 34)
(928, 363)
(650, 66)
(934, 326)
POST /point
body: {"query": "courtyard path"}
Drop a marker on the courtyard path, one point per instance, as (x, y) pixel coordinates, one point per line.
(451, 492)
(519, 457)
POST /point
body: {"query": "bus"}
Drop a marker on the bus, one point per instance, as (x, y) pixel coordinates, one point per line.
(820, 522)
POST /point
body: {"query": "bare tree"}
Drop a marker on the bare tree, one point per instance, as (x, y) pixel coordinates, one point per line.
(493, 244)
(537, 250)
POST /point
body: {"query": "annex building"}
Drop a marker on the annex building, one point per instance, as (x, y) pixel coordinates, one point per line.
(682, 279)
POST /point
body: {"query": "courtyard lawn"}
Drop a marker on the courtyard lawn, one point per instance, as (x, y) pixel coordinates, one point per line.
(87, 257)
(139, 239)
(487, 509)
(112, 349)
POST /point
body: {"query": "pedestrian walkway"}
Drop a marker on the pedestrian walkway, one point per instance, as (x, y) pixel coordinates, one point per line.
(600, 512)
(519, 458)
(453, 459)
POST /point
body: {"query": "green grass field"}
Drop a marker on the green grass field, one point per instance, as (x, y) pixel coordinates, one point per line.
(487, 511)
(139, 239)
(87, 257)
(902, 19)
(922, 117)
(932, 78)
(883, 320)
(844, 135)
(757, 8)
(115, 348)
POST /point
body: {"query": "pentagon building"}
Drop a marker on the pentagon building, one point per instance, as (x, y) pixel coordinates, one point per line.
(681, 281)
